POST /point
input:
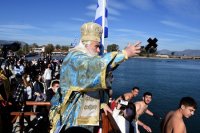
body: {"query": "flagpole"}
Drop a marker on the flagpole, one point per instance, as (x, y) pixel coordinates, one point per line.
(103, 25)
(101, 19)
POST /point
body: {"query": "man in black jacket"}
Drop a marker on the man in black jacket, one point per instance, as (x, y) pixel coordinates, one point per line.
(50, 92)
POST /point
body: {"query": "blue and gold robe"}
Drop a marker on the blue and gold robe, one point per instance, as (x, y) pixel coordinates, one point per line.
(80, 74)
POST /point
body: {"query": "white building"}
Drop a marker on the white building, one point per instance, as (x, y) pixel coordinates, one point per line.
(38, 50)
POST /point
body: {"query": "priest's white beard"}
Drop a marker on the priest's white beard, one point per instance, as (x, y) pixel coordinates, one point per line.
(82, 47)
(91, 52)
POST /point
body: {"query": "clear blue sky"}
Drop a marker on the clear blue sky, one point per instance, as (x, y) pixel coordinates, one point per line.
(175, 23)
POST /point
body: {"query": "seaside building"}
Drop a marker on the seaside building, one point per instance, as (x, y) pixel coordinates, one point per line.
(59, 52)
(162, 56)
(38, 50)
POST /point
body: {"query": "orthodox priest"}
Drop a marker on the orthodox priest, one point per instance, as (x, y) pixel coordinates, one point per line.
(84, 74)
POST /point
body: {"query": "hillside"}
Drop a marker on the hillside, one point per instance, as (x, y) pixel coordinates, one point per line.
(188, 52)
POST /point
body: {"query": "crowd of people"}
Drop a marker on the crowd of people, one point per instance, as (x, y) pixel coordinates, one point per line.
(23, 80)
(79, 89)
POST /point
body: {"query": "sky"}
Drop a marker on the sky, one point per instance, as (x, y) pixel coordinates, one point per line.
(175, 23)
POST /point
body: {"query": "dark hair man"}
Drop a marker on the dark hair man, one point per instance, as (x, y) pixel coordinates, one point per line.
(173, 122)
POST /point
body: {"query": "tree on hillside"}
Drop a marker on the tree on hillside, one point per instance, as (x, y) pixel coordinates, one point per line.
(112, 47)
(152, 50)
(26, 49)
(143, 51)
(58, 46)
(49, 48)
(65, 48)
(20, 52)
(34, 45)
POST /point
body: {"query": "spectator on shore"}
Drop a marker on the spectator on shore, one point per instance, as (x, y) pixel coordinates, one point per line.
(19, 69)
(38, 91)
(52, 90)
(4, 85)
(47, 76)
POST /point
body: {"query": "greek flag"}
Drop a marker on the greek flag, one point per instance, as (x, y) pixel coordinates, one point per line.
(101, 16)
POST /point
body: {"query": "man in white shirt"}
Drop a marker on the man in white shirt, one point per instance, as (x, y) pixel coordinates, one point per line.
(47, 76)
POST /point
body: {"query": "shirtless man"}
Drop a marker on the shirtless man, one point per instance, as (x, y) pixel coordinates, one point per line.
(173, 122)
(126, 96)
(141, 108)
(129, 95)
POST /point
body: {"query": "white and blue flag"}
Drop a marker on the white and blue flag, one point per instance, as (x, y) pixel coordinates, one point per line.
(101, 16)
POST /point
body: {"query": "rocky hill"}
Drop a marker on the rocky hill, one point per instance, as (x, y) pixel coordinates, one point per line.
(187, 52)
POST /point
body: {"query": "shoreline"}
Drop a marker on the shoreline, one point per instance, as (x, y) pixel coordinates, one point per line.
(179, 58)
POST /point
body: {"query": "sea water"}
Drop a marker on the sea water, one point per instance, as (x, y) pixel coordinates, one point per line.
(167, 79)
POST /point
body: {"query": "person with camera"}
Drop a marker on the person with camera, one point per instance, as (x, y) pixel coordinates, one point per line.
(123, 114)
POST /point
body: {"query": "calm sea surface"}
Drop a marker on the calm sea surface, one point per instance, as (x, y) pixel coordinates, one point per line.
(168, 79)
